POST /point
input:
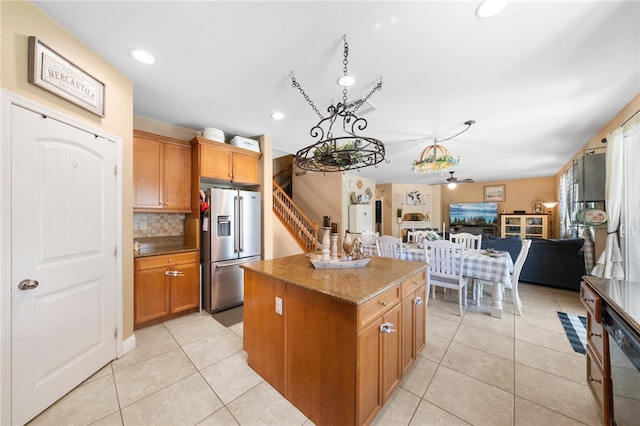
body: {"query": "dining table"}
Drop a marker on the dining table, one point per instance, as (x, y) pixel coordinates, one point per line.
(486, 265)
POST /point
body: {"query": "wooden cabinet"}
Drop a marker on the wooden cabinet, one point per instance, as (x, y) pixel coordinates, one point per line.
(225, 163)
(161, 174)
(525, 225)
(336, 362)
(413, 319)
(598, 365)
(165, 286)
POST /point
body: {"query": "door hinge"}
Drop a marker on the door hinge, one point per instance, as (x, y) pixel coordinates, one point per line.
(115, 332)
(115, 169)
(115, 251)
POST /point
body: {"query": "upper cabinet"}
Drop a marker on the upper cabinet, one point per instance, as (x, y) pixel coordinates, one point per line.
(161, 174)
(226, 163)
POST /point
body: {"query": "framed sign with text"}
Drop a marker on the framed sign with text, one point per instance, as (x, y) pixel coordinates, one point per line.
(52, 72)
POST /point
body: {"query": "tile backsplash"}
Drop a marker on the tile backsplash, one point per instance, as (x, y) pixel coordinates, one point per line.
(158, 225)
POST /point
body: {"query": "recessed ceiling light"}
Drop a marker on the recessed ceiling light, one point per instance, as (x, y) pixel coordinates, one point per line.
(489, 8)
(346, 81)
(277, 115)
(142, 56)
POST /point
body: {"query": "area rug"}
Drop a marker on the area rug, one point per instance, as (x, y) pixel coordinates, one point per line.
(229, 317)
(575, 327)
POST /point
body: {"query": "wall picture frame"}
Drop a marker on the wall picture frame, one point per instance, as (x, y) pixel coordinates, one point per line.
(494, 193)
(52, 72)
(414, 198)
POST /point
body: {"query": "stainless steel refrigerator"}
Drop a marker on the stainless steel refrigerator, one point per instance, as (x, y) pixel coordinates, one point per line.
(231, 235)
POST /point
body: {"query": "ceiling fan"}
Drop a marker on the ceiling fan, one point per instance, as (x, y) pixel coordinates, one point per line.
(452, 181)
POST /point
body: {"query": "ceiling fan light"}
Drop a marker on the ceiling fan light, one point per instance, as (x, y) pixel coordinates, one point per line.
(346, 81)
(452, 185)
(490, 8)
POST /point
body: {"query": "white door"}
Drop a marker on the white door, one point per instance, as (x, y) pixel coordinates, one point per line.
(62, 249)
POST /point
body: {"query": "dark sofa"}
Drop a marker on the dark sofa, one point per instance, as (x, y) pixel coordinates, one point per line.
(554, 263)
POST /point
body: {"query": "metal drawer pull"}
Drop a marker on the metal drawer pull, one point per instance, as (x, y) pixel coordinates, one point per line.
(383, 304)
(591, 379)
(418, 300)
(174, 274)
(586, 299)
(28, 284)
(386, 328)
(595, 334)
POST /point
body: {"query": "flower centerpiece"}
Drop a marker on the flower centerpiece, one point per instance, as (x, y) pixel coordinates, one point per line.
(432, 236)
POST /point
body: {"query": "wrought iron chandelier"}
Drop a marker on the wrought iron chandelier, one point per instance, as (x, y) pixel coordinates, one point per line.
(339, 153)
(436, 158)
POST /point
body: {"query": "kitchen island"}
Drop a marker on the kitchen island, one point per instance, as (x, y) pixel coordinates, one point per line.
(334, 342)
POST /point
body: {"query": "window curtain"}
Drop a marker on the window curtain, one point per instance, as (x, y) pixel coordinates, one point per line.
(566, 199)
(610, 262)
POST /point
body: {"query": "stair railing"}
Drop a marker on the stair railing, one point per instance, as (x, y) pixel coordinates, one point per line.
(303, 229)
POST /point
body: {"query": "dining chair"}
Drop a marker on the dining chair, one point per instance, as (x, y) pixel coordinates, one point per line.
(368, 237)
(441, 256)
(418, 236)
(515, 277)
(389, 246)
(470, 241)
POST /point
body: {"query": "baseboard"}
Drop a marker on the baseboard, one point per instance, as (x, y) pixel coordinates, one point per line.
(128, 344)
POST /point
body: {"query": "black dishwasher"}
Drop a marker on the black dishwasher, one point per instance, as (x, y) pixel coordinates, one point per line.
(624, 354)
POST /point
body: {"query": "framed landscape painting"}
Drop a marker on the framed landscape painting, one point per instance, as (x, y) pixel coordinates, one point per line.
(494, 193)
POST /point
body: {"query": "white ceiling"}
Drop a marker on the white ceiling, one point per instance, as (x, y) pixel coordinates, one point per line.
(540, 79)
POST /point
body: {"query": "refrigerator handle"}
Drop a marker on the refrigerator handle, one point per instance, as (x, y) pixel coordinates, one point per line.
(240, 224)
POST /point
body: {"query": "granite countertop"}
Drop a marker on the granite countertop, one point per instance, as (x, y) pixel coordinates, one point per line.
(152, 246)
(622, 295)
(354, 286)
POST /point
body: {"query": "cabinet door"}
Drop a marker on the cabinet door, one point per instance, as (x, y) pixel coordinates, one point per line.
(151, 295)
(368, 373)
(407, 332)
(147, 174)
(419, 320)
(185, 287)
(390, 347)
(245, 168)
(177, 177)
(215, 163)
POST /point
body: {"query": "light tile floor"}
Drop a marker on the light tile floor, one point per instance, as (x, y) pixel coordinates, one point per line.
(475, 370)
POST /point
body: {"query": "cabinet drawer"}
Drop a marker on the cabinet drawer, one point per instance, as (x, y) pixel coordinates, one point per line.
(166, 260)
(411, 284)
(377, 305)
(591, 301)
(595, 378)
(595, 339)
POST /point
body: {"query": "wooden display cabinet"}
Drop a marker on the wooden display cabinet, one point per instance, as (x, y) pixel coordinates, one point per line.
(166, 286)
(525, 225)
(161, 174)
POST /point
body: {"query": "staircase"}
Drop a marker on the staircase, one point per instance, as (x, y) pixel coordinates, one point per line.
(301, 228)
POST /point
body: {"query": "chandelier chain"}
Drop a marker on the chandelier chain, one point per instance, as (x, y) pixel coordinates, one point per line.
(364, 101)
(345, 68)
(296, 85)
